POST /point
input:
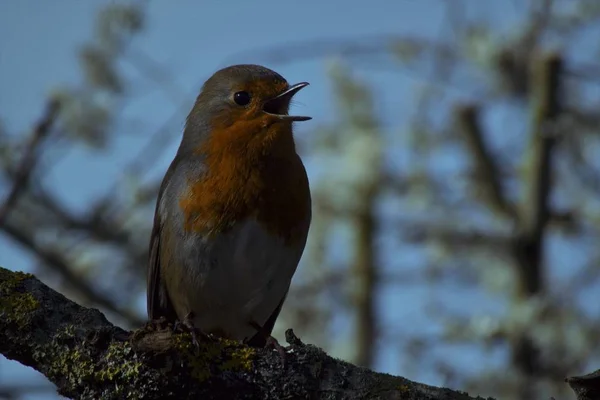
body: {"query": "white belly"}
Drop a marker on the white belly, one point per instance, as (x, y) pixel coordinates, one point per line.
(238, 278)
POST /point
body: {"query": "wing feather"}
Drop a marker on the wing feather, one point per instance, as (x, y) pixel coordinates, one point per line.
(157, 299)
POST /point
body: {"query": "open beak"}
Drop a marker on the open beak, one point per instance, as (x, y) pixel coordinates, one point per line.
(279, 106)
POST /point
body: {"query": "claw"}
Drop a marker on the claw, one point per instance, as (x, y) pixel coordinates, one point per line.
(271, 342)
(187, 325)
(156, 324)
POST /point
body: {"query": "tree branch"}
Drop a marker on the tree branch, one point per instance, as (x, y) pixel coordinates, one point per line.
(365, 272)
(86, 357)
(62, 267)
(535, 210)
(28, 162)
(586, 387)
(485, 166)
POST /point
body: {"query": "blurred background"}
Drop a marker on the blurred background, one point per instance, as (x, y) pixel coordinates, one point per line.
(453, 156)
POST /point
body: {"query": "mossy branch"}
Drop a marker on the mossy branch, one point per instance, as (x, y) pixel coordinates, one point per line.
(87, 357)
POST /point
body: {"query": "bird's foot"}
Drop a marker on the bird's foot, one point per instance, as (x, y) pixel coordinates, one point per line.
(271, 342)
(158, 324)
(187, 326)
(151, 326)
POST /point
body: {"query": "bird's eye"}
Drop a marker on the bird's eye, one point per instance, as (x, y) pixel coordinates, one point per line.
(241, 98)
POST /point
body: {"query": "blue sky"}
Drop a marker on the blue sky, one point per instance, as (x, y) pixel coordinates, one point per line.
(38, 40)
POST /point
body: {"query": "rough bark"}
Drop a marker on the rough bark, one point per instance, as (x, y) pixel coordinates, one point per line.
(87, 357)
(586, 387)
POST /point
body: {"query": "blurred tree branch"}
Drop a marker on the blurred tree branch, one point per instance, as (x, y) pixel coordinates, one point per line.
(62, 266)
(535, 210)
(366, 270)
(535, 207)
(38, 219)
(26, 237)
(488, 173)
(28, 161)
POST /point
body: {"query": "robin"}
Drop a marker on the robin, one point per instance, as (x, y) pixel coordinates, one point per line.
(233, 210)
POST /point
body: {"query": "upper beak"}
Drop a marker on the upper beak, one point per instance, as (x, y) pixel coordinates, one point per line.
(280, 104)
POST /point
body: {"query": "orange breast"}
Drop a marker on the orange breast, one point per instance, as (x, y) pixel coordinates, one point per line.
(253, 171)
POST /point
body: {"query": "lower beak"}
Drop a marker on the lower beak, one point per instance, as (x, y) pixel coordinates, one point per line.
(278, 106)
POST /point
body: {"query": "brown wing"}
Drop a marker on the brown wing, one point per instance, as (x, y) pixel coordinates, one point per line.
(157, 299)
(259, 339)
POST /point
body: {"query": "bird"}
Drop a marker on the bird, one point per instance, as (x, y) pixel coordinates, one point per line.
(233, 211)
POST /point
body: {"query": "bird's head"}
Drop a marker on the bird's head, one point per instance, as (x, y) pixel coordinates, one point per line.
(242, 103)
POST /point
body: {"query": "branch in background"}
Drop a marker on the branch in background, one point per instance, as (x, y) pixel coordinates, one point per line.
(513, 61)
(87, 357)
(453, 237)
(20, 177)
(29, 160)
(93, 225)
(535, 209)
(63, 268)
(539, 21)
(365, 272)
(96, 222)
(487, 171)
